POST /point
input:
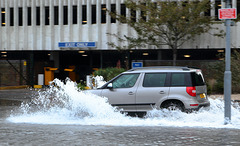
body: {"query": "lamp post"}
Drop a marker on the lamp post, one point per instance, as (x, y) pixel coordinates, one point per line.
(227, 73)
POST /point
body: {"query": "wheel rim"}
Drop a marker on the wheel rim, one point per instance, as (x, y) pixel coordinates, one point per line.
(174, 107)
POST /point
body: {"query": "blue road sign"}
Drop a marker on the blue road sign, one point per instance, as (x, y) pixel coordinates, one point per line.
(137, 64)
(77, 44)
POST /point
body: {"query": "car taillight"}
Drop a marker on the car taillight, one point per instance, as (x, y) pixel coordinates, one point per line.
(191, 91)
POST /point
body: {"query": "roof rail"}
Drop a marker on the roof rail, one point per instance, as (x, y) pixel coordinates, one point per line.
(179, 67)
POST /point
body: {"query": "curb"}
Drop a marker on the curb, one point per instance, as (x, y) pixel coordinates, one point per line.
(14, 87)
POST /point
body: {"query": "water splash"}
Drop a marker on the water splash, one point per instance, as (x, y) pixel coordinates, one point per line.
(99, 81)
(64, 103)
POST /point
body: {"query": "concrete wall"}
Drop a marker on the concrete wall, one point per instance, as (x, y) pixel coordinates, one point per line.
(46, 37)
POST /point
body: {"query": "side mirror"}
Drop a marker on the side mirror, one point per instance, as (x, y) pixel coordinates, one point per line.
(110, 86)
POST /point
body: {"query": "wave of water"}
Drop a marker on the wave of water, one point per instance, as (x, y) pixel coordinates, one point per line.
(64, 103)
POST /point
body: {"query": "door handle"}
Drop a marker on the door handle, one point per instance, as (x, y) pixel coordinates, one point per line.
(130, 93)
(162, 92)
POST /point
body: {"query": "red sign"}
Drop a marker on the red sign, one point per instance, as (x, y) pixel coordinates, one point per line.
(227, 13)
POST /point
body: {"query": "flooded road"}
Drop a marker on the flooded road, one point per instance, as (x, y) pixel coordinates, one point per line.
(65, 116)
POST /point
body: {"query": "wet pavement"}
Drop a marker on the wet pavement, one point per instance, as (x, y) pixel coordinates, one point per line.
(17, 94)
(12, 133)
(47, 135)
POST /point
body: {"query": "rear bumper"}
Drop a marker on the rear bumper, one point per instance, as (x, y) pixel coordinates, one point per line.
(204, 105)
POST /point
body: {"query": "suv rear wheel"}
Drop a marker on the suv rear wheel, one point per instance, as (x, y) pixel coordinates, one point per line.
(173, 105)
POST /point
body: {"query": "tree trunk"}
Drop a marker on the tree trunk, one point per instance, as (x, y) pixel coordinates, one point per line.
(174, 56)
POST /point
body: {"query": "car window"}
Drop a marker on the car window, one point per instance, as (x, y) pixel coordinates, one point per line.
(154, 79)
(125, 81)
(181, 79)
(197, 78)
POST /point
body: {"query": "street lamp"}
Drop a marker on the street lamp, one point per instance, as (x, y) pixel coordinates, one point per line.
(227, 73)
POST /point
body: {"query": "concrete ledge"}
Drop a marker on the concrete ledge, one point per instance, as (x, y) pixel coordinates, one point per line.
(14, 87)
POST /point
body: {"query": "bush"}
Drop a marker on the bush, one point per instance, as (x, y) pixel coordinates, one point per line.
(216, 71)
(81, 85)
(108, 73)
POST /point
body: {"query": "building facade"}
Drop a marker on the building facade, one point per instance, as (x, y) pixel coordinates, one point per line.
(66, 33)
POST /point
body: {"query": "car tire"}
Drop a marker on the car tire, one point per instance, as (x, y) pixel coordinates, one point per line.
(173, 106)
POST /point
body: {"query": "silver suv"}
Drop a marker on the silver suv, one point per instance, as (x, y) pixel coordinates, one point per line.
(142, 89)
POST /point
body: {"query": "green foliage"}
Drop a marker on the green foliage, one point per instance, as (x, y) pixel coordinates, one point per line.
(108, 73)
(81, 85)
(235, 67)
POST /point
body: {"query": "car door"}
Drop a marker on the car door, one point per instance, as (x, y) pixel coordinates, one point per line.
(121, 92)
(151, 90)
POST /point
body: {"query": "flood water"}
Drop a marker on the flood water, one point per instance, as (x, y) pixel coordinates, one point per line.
(63, 115)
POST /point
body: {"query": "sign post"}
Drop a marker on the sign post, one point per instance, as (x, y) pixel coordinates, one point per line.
(228, 14)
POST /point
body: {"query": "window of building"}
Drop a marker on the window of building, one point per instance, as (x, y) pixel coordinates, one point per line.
(218, 5)
(143, 13)
(37, 15)
(113, 10)
(94, 11)
(103, 14)
(74, 15)
(65, 15)
(84, 14)
(3, 13)
(20, 16)
(47, 16)
(133, 15)
(56, 11)
(29, 16)
(11, 17)
(123, 12)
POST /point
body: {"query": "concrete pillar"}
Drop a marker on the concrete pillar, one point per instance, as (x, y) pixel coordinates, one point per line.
(212, 11)
(25, 29)
(31, 69)
(33, 19)
(79, 15)
(108, 21)
(55, 57)
(89, 12)
(234, 3)
(42, 25)
(118, 10)
(70, 20)
(99, 25)
(51, 23)
(16, 10)
(128, 15)
(60, 23)
(89, 20)
(159, 55)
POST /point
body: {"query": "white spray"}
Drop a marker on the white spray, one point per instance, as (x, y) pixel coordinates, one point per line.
(64, 103)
